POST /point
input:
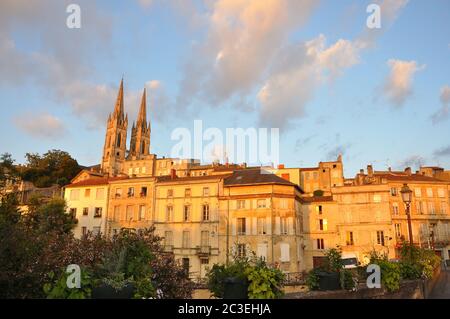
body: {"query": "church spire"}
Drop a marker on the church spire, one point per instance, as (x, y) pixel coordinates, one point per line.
(142, 117)
(118, 109)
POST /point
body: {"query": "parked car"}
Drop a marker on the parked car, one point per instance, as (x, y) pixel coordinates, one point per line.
(350, 260)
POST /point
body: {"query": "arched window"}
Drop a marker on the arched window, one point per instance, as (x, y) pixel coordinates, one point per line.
(119, 137)
(142, 147)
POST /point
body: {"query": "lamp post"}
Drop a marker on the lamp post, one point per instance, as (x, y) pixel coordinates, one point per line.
(407, 198)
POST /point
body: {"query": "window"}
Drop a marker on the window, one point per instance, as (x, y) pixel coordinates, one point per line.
(261, 251)
(261, 203)
(83, 230)
(394, 191)
(168, 238)
(129, 212)
(98, 212)
(170, 193)
(323, 224)
(431, 209)
(187, 192)
(319, 209)
(73, 212)
(186, 213)
(130, 171)
(130, 191)
(87, 192)
(169, 213)
(241, 226)
(417, 192)
(186, 239)
(205, 212)
(398, 230)
(419, 207)
(241, 204)
(261, 225)
(85, 211)
(441, 192)
(136, 170)
(116, 213)
(75, 194)
(306, 176)
(395, 208)
(241, 250)
(429, 192)
(350, 241)
(144, 170)
(204, 238)
(377, 198)
(100, 193)
(205, 191)
(315, 175)
(143, 192)
(141, 212)
(380, 237)
(284, 252)
(443, 208)
(283, 226)
(283, 204)
(204, 261)
(320, 243)
(118, 192)
(96, 230)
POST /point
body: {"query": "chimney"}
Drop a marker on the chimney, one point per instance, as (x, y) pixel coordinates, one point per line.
(389, 169)
(370, 170)
(408, 171)
(173, 173)
(361, 171)
(280, 166)
(339, 159)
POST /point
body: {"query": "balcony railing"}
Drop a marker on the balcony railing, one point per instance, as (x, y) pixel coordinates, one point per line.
(204, 250)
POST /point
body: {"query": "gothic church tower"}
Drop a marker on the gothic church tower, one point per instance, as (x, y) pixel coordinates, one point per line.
(140, 133)
(115, 139)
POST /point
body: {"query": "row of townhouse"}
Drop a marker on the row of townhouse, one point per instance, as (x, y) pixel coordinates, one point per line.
(208, 218)
(367, 212)
(202, 219)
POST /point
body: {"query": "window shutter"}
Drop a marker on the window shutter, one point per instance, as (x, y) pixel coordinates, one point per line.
(248, 226)
(262, 251)
(268, 226)
(277, 225)
(255, 226)
(290, 225)
(284, 247)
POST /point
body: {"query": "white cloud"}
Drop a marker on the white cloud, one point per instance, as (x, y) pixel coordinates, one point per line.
(41, 125)
(243, 38)
(444, 112)
(398, 85)
(300, 70)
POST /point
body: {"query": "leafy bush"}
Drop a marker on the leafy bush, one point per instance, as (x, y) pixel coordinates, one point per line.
(390, 272)
(265, 282)
(334, 260)
(312, 279)
(417, 262)
(347, 278)
(57, 289)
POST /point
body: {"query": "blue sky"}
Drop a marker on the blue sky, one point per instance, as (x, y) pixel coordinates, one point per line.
(311, 68)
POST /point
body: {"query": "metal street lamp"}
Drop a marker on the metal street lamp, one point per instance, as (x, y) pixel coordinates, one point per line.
(407, 199)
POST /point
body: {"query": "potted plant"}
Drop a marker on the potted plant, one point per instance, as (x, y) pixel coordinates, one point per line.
(113, 283)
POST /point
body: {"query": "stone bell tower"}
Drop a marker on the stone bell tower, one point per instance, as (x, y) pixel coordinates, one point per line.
(116, 136)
